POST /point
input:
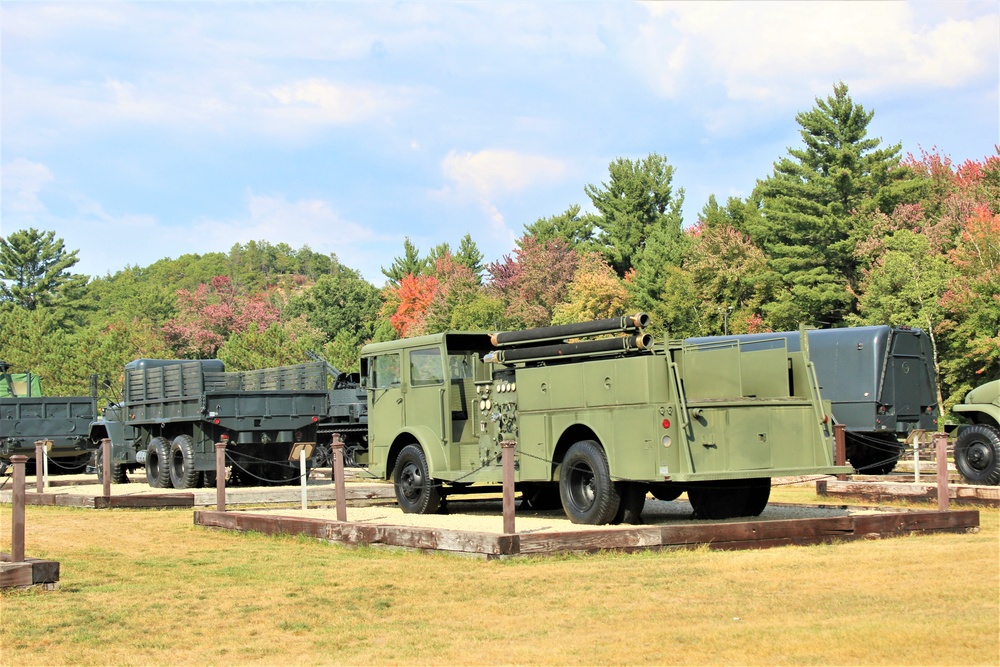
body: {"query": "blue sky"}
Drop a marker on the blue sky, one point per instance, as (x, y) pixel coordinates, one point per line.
(144, 130)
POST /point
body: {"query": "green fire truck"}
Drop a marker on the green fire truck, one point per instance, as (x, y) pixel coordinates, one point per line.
(599, 417)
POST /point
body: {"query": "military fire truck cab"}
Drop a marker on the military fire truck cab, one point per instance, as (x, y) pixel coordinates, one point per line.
(595, 424)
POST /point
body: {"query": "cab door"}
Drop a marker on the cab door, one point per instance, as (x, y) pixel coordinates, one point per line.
(385, 407)
(426, 400)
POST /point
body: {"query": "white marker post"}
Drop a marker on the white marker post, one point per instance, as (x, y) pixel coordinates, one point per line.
(302, 451)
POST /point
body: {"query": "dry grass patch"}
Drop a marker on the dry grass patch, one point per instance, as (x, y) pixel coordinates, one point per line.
(148, 587)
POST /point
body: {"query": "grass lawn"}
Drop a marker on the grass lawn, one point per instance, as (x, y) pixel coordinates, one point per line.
(148, 587)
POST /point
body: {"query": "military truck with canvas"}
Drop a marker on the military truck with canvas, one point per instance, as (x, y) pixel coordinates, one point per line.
(595, 423)
(977, 446)
(26, 416)
(174, 412)
(879, 380)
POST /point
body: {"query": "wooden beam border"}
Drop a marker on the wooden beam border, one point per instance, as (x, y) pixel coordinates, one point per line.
(723, 535)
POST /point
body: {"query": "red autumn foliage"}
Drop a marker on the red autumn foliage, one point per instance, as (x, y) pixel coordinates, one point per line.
(211, 313)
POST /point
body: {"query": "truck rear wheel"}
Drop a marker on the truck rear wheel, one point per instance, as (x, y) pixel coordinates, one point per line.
(588, 494)
(416, 492)
(182, 472)
(633, 495)
(665, 491)
(158, 463)
(977, 454)
(731, 498)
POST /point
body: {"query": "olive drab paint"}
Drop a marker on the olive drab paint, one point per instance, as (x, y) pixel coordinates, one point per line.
(667, 416)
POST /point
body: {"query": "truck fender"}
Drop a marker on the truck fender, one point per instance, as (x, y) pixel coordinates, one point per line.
(428, 440)
(98, 432)
(979, 413)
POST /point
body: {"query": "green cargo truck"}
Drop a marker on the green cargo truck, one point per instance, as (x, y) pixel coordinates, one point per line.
(26, 416)
(977, 447)
(174, 412)
(596, 423)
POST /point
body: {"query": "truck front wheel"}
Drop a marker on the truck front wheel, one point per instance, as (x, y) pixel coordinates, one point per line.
(182, 472)
(119, 474)
(416, 492)
(588, 494)
(977, 454)
(158, 463)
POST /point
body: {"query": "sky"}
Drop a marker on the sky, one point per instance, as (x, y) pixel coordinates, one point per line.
(142, 130)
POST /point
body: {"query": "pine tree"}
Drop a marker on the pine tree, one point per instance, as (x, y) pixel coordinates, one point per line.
(469, 255)
(806, 226)
(34, 270)
(637, 202)
(410, 264)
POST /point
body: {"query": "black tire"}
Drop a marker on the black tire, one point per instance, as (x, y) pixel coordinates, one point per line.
(758, 493)
(158, 463)
(3, 467)
(977, 454)
(119, 474)
(874, 453)
(540, 496)
(727, 499)
(633, 498)
(322, 455)
(209, 479)
(665, 492)
(182, 472)
(588, 494)
(416, 492)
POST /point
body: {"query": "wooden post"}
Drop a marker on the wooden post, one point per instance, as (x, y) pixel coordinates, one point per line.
(220, 476)
(507, 460)
(17, 520)
(106, 465)
(941, 440)
(840, 449)
(39, 468)
(340, 491)
(916, 459)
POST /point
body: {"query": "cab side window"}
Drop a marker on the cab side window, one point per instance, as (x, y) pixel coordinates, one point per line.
(426, 367)
(385, 371)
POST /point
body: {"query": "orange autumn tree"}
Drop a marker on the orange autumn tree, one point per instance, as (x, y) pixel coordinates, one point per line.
(415, 294)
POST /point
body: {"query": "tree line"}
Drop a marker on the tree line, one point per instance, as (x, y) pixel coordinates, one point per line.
(845, 231)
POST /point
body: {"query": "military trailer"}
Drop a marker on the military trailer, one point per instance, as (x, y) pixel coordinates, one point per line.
(879, 380)
(26, 415)
(175, 411)
(977, 447)
(595, 424)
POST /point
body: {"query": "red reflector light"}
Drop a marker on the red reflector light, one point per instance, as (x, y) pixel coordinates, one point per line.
(215, 421)
(666, 423)
(315, 419)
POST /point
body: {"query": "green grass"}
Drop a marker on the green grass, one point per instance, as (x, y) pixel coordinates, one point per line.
(149, 587)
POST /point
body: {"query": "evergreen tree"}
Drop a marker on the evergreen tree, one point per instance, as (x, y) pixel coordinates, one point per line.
(410, 264)
(34, 270)
(468, 255)
(637, 202)
(575, 229)
(806, 226)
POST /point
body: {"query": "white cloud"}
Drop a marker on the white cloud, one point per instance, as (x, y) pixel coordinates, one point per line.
(767, 53)
(22, 181)
(491, 174)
